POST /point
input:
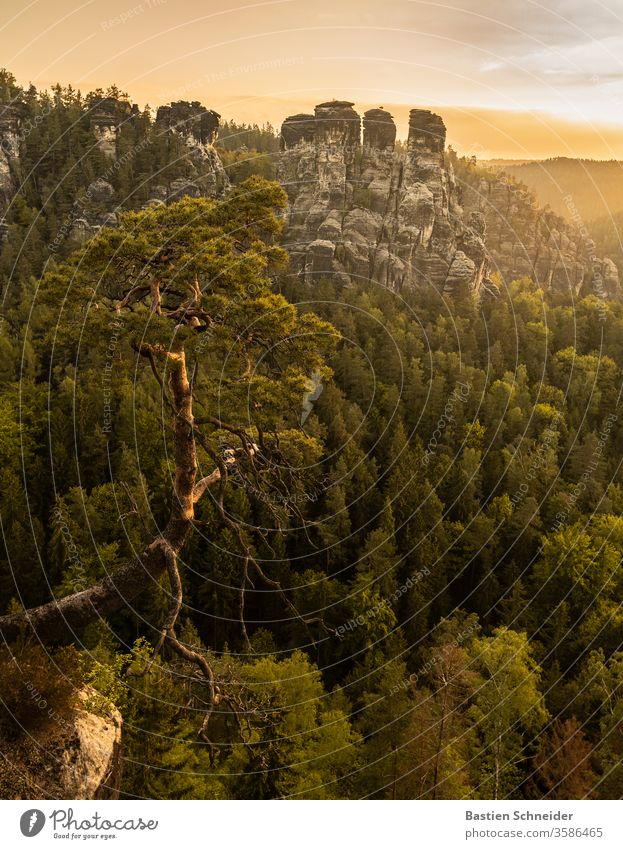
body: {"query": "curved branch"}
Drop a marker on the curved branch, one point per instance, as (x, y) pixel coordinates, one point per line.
(61, 619)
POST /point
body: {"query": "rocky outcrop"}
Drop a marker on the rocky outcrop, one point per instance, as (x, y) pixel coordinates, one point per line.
(107, 115)
(191, 120)
(200, 170)
(298, 128)
(93, 209)
(11, 118)
(365, 211)
(198, 127)
(379, 130)
(77, 756)
(525, 239)
(361, 206)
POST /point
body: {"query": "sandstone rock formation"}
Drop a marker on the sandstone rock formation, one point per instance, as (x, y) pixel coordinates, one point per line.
(361, 207)
(93, 209)
(106, 116)
(201, 171)
(379, 130)
(66, 757)
(296, 128)
(10, 128)
(198, 127)
(525, 239)
(365, 211)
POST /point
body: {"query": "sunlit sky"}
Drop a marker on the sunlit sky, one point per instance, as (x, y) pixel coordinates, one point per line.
(512, 78)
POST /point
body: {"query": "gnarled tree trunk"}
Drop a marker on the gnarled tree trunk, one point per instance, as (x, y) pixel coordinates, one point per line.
(62, 619)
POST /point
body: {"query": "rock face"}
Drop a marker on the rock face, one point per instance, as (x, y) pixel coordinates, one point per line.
(190, 120)
(198, 127)
(361, 206)
(93, 209)
(107, 115)
(75, 757)
(379, 130)
(524, 239)
(202, 170)
(297, 128)
(366, 211)
(10, 128)
(93, 768)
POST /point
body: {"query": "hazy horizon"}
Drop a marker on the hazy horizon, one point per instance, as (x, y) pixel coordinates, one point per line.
(511, 81)
(513, 135)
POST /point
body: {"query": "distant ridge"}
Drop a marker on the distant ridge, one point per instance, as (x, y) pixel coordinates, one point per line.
(589, 187)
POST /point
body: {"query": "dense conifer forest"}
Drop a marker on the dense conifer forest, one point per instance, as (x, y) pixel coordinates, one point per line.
(374, 537)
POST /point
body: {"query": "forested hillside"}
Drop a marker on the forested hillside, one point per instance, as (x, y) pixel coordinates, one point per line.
(311, 536)
(571, 187)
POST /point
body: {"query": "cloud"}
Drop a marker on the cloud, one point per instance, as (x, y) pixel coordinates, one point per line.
(496, 25)
(491, 66)
(555, 56)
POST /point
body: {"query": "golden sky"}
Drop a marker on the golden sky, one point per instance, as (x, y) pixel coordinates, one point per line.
(512, 78)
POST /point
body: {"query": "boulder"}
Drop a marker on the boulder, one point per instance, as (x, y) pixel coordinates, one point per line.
(75, 756)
